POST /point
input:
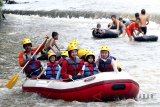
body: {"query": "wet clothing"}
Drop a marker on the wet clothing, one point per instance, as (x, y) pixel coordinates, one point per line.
(131, 28)
(114, 26)
(144, 30)
(89, 69)
(72, 67)
(53, 71)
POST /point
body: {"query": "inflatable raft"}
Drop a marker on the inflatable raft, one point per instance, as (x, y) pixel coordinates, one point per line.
(107, 34)
(45, 57)
(104, 86)
(149, 38)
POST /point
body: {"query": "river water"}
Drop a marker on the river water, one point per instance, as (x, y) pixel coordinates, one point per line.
(141, 60)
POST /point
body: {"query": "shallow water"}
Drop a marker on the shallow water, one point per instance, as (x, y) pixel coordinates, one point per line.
(141, 60)
(82, 8)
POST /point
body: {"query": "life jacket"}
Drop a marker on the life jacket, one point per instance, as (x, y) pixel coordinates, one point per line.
(52, 70)
(106, 66)
(90, 69)
(74, 66)
(34, 68)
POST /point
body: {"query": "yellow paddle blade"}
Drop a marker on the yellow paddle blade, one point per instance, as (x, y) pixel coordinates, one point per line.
(12, 82)
(119, 65)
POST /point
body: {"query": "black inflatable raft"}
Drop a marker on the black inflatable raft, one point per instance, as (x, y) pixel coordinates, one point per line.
(45, 56)
(146, 38)
(107, 34)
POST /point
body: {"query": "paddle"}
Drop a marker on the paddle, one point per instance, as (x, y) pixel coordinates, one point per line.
(14, 79)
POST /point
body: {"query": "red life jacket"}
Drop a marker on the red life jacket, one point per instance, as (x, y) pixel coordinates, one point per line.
(90, 68)
(53, 67)
(74, 67)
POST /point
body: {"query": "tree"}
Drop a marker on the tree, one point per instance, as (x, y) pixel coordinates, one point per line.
(1, 3)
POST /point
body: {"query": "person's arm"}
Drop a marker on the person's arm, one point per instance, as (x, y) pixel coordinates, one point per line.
(64, 70)
(43, 71)
(110, 25)
(140, 31)
(97, 68)
(57, 47)
(147, 21)
(51, 44)
(42, 46)
(58, 73)
(114, 64)
(97, 64)
(21, 59)
(83, 69)
(117, 21)
(134, 34)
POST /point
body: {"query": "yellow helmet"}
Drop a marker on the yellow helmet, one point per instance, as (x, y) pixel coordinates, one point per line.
(51, 54)
(26, 41)
(72, 47)
(90, 53)
(74, 42)
(82, 52)
(105, 48)
(64, 53)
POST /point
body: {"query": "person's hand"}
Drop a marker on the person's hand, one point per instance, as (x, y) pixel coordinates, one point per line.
(143, 33)
(28, 59)
(38, 76)
(47, 37)
(70, 77)
(79, 74)
(107, 29)
(117, 31)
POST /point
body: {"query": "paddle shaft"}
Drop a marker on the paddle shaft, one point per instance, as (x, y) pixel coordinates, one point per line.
(33, 55)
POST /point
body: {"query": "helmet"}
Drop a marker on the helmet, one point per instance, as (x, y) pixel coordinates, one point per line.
(72, 47)
(105, 48)
(89, 53)
(51, 54)
(82, 52)
(26, 41)
(74, 42)
(64, 53)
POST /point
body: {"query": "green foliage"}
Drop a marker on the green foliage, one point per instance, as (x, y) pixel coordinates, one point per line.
(1, 3)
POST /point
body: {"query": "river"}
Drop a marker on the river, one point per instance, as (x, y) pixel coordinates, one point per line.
(141, 60)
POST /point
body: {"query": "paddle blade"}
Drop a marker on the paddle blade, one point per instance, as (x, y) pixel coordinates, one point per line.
(119, 66)
(12, 82)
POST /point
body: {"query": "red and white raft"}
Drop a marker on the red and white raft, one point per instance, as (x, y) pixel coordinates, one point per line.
(104, 86)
